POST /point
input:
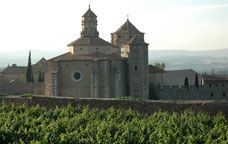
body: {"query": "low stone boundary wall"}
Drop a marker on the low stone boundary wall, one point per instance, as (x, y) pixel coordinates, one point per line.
(23, 88)
(145, 107)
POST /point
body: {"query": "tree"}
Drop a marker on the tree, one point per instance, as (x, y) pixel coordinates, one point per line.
(186, 82)
(29, 74)
(204, 73)
(196, 81)
(160, 66)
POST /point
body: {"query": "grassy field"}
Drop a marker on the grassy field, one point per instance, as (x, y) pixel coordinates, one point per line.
(23, 124)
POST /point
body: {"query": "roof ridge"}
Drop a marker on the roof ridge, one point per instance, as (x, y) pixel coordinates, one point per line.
(127, 27)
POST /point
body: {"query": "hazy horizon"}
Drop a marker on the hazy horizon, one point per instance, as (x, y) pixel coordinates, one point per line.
(201, 61)
(51, 25)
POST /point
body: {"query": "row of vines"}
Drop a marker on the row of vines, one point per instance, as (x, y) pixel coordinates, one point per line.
(23, 124)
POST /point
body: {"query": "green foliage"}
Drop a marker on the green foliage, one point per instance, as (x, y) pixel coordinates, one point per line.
(23, 124)
(29, 74)
(128, 98)
(27, 95)
(160, 66)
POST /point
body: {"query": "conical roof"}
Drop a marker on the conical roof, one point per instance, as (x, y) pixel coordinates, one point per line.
(127, 27)
(89, 13)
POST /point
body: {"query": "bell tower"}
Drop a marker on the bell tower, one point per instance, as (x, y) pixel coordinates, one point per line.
(89, 24)
(135, 49)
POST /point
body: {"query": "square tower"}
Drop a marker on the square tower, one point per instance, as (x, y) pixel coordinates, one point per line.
(133, 47)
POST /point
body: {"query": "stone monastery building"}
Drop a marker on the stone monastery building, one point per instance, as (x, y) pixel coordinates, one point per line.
(95, 68)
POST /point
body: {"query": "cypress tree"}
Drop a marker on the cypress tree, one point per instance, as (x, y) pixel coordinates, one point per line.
(186, 83)
(196, 81)
(29, 74)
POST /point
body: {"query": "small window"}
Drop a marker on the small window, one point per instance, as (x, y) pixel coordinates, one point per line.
(136, 68)
(119, 36)
(130, 36)
(212, 95)
(216, 85)
(209, 84)
(224, 94)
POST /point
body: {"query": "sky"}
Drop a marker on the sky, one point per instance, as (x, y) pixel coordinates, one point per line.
(50, 25)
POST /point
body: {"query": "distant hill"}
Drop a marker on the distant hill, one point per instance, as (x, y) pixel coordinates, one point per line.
(21, 57)
(200, 61)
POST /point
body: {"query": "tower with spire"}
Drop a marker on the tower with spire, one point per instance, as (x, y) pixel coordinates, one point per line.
(90, 42)
(89, 24)
(133, 47)
(95, 68)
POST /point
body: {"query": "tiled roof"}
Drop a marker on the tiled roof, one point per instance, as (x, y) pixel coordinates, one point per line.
(90, 41)
(17, 70)
(41, 65)
(127, 27)
(14, 70)
(214, 78)
(92, 56)
(182, 73)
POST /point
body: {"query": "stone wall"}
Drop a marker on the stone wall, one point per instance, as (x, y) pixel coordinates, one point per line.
(19, 89)
(191, 93)
(144, 107)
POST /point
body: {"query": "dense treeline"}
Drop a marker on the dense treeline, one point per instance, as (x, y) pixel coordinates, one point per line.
(23, 124)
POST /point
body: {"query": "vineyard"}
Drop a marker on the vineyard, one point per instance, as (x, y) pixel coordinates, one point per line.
(23, 124)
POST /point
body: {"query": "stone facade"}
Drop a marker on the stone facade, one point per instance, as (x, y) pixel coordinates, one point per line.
(192, 93)
(22, 88)
(132, 45)
(169, 85)
(17, 74)
(95, 68)
(13, 79)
